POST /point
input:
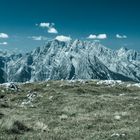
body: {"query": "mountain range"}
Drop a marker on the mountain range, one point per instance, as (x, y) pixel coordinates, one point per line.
(75, 59)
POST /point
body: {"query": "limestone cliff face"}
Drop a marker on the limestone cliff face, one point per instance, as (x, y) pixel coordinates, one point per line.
(71, 60)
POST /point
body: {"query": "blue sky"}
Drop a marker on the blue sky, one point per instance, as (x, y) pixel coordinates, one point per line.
(21, 21)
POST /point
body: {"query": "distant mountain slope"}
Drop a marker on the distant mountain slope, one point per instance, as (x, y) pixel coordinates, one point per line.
(71, 60)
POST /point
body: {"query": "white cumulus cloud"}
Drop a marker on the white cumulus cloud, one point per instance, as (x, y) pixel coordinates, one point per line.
(3, 43)
(63, 38)
(38, 38)
(49, 26)
(44, 25)
(4, 35)
(100, 36)
(52, 30)
(121, 36)
(92, 37)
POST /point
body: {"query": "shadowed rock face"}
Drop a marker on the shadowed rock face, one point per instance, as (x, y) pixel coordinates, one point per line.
(2, 72)
(71, 60)
(2, 79)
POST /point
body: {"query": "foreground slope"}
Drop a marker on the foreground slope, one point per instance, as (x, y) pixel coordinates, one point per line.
(70, 110)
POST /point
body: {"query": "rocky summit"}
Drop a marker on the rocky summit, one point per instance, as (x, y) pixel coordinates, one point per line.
(70, 60)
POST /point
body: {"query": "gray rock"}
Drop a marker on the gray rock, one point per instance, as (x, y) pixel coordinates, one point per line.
(71, 60)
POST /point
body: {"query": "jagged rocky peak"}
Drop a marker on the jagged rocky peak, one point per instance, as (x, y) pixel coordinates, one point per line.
(75, 59)
(123, 49)
(128, 54)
